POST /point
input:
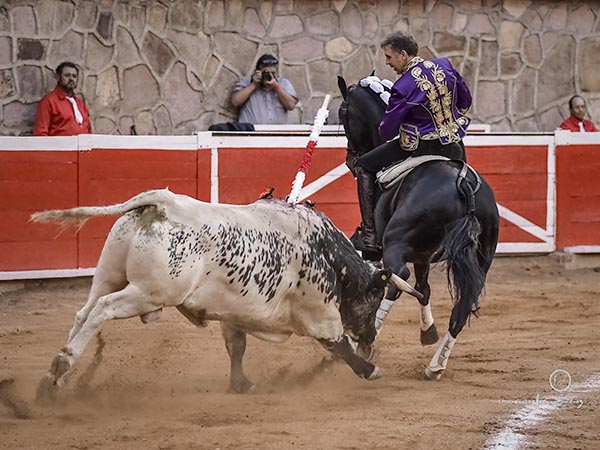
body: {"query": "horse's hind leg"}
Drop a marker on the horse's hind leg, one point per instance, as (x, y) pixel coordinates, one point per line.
(429, 333)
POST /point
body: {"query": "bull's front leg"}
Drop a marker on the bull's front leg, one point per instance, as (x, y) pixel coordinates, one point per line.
(235, 342)
(344, 350)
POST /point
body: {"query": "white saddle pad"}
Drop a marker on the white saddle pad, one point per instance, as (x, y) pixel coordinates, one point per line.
(390, 176)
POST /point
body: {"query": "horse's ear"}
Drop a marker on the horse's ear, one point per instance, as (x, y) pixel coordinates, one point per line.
(373, 73)
(342, 86)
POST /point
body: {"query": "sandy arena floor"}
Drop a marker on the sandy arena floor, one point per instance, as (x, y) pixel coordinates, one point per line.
(163, 385)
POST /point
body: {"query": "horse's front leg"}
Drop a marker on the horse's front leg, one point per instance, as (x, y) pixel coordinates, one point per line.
(429, 334)
(393, 259)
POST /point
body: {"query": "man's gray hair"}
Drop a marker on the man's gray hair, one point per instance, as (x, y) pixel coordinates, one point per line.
(402, 41)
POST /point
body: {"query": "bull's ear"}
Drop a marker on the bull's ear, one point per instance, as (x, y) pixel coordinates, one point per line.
(381, 278)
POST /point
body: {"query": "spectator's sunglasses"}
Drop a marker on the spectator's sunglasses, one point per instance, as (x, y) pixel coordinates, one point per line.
(269, 62)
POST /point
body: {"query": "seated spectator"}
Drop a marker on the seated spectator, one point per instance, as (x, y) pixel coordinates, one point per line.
(263, 97)
(576, 121)
(60, 113)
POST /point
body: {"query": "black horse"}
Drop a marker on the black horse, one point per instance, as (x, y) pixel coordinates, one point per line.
(440, 212)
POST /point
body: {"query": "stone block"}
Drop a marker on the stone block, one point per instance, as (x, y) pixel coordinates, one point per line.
(30, 83)
(357, 66)
(157, 17)
(33, 49)
(64, 13)
(480, 24)
(19, 115)
(589, 64)
(162, 121)
(302, 49)
(532, 50)
(234, 15)
(194, 49)
(6, 57)
(510, 35)
(488, 67)
(265, 10)
(103, 125)
(85, 14)
(125, 124)
(419, 28)
(526, 125)
(216, 15)
(556, 77)
(371, 25)
(339, 48)
(97, 55)
(286, 26)
(491, 99)
(352, 22)
(326, 23)
(440, 17)
(252, 24)
(297, 75)
(4, 20)
(157, 53)
(23, 21)
(7, 84)
(140, 89)
(516, 8)
(510, 65)
(127, 51)
(447, 43)
(69, 48)
(551, 119)
(185, 103)
(581, 21)
(105, 26)
(144, 123)
(322, 76)
(137, 22)
(234, 48)
(108, 95)
(534, 21)
(523, 92)
(186, 16)
(557, 20)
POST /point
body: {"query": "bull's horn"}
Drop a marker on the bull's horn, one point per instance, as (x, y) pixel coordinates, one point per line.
(404, 286)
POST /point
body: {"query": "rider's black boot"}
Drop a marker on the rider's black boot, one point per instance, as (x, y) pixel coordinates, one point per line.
(369, 247)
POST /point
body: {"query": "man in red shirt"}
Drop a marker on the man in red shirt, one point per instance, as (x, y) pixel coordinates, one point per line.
(60, 113)
(576, 121)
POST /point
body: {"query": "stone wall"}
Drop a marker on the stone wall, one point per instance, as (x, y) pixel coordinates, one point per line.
(168, 66)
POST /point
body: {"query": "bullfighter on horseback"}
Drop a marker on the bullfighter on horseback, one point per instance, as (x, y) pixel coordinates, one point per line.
(425, 116)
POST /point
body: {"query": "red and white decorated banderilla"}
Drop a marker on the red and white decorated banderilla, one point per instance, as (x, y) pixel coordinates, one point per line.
(320, 118)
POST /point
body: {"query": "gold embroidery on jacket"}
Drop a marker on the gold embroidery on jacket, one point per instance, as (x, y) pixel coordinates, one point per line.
(440, 104)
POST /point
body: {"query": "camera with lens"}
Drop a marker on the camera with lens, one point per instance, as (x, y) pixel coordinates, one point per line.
(267, 76)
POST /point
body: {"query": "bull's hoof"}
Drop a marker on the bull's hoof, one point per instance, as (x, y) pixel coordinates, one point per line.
(430, 336)
(376, 374)
(242, 388)
(60, 366)
(431, 375)
(46, 390)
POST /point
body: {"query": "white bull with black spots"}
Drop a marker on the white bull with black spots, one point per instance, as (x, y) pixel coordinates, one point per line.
(267, 269)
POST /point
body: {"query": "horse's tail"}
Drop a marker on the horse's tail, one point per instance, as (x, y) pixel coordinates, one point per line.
(466, 277)
(82, 213)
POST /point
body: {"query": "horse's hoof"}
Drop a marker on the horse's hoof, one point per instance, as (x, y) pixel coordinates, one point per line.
(376, 374)
(243, 388)
(46, 391)
(431, 375)
(365, 351)
(430, 336)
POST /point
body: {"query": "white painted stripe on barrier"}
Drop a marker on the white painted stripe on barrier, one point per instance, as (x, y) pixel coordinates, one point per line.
(523, 223)
(323, 181)
(53, 273)
(524, 247)
(214, 175)
(583, 249)
(514, 435)
(551, 194)
(38, 143)
(101, 141)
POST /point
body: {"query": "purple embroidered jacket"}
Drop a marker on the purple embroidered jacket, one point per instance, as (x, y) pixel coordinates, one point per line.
(429, 101)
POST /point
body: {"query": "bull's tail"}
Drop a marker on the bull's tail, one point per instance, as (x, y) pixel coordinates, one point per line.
(466, 277)
(82, 213)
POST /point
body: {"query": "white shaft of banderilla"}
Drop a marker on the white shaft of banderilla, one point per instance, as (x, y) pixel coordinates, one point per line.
(320, 118)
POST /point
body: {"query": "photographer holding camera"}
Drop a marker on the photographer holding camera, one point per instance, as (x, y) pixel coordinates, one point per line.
(263, 97)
